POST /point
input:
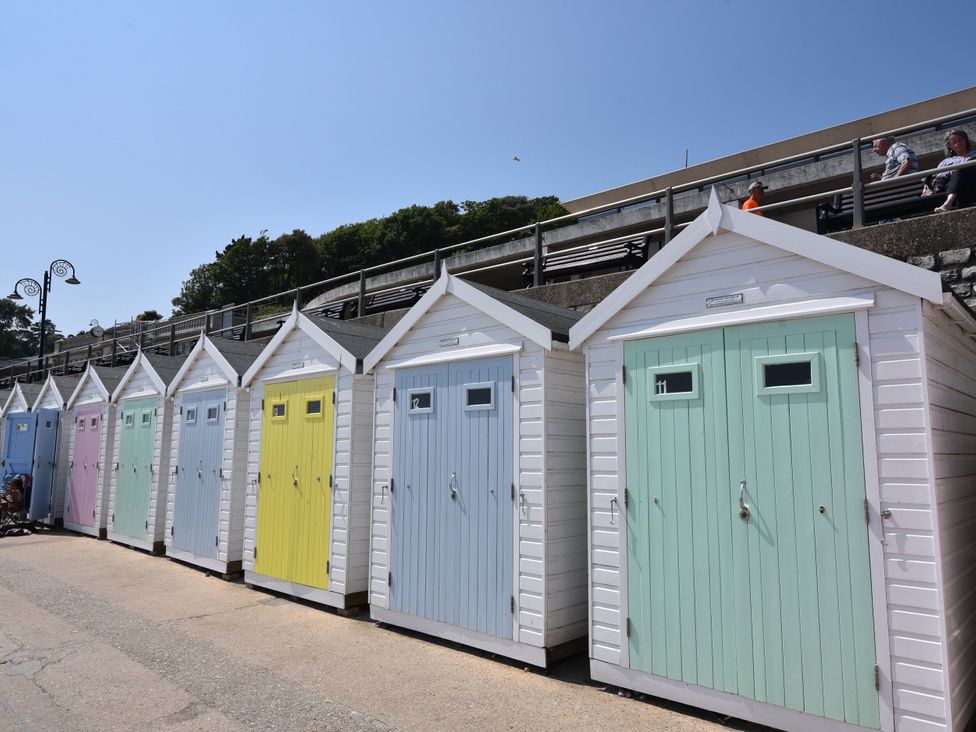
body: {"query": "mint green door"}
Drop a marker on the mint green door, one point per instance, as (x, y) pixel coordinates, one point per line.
(134, 480)
(771, 598)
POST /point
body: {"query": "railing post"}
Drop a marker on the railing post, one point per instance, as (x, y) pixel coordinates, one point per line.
(89, 352)
(298, 298)
(857, 187)
(361, 300)
(64, 366)
(537, 275)
(172, 339)
(142, 338)
(668, 215)
(115, 350)
(247, 323)
(437, 264)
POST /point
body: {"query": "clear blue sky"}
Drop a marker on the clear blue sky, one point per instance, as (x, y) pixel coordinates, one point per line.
(139, 137)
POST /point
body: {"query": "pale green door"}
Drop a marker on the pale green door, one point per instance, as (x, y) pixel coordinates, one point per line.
(786, 585)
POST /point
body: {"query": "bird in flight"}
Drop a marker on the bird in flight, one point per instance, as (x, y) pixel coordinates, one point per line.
(516, 158)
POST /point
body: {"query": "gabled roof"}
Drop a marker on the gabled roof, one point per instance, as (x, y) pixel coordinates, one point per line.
(161, 370)
(232, 358)
(347, 342)
(105, 378)
(4, 398)
(29, 393)
(540, 322)
(63, 386)
(717, 218)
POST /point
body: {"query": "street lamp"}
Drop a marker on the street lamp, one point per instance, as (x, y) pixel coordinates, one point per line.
(33, 288)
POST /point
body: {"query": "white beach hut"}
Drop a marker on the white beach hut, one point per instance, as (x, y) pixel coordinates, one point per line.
(140, 475)
(54, 395)
(307, 512)
(90, 425)
(478, 524)
(781, 482)
(208, 455)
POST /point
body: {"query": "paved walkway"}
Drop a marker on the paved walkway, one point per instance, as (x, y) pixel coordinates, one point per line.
(98, 636)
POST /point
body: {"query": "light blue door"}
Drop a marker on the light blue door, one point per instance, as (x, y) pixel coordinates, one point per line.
(18, 447)
(45, 454)
(196, 515)
(452, 501)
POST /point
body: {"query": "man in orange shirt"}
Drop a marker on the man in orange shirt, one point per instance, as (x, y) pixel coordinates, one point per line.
(756, 190)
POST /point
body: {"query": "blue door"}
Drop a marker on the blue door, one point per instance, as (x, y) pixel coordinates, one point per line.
(452, 495)
(196, 514)
(18, 443)
(45, 454)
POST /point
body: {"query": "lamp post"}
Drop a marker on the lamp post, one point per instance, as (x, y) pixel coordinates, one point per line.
(32, 288)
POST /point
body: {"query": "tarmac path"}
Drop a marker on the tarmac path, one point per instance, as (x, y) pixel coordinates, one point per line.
(95, 636)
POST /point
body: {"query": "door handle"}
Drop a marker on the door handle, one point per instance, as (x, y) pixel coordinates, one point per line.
(743, 508)
(294, 476)
(453, 486)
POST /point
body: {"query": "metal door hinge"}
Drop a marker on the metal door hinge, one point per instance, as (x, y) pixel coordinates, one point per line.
(623, 374)
(877, 678)
(867, 511)
(857, 354)
(255, 551)
(330, 481)
(394, 395)
(513, 491)
(217, 540)
(513, 383)
(259, 478)
(176, 470)
(626, 498)
(225, 405)
(181, 411)
(389, 579)
(628, 627)
(512, 605)
(328, 567)
(113, 518)
(220, 473)
(333, 397)
(172, 529)
(262, 405)
(93, 513)
(391, 485)
(147, 524)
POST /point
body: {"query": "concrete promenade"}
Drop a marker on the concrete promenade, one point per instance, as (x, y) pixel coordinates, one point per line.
(95, 636)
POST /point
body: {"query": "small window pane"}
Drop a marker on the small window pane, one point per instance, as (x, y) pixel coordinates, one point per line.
(21, 426)
(787, 374)
(130, 419)
(94, 421)
(678, 382)
(47, 424)
(145, 417)
(191, 414)
(81, 425)
(313, 406)
(277, 410)
(421, 400)
(479, 396)
(212, 414)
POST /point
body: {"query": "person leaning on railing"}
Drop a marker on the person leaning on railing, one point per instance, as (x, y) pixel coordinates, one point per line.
(960, 185)
(899, 158)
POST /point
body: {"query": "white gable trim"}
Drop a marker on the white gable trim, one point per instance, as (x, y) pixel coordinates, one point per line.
(461, 354)
(140, 362)
(845, 257)
(782, 311)
(12, 399)
(449, 284)
(203, 345)
(299, 321)
(49, 385)
(89, 375)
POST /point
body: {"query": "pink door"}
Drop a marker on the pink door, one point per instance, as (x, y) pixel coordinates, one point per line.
(84, 465)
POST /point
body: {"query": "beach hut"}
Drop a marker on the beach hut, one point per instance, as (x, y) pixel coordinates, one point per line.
(91, 440)
(479, 480)
(50, 476)
(781, 499)
(307, 512)
(143, 428)
(205, 502)
(28, 437)
(4, 398)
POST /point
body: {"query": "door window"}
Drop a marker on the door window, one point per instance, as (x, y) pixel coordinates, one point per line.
(794, 373)
(668, 383)
(191, 415)
(421, 401)
(479, 397)
(212, 413)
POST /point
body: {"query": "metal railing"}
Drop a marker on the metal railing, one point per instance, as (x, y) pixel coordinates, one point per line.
(256, 315)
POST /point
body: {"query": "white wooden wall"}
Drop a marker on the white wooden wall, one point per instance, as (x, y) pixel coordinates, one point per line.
(543, 548)
(730, 263)
(140, 386)
(950, 364)
(346, 545)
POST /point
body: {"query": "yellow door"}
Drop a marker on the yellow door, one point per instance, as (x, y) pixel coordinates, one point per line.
(294, 494)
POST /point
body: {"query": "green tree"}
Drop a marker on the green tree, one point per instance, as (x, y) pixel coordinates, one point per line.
(15, 324)
(149, 316)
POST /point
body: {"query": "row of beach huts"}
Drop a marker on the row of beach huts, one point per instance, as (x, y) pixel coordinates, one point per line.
(744, 481)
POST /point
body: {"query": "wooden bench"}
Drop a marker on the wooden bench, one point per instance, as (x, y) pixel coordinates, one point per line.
(619, 255)
(402, 297)
(896, 200)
